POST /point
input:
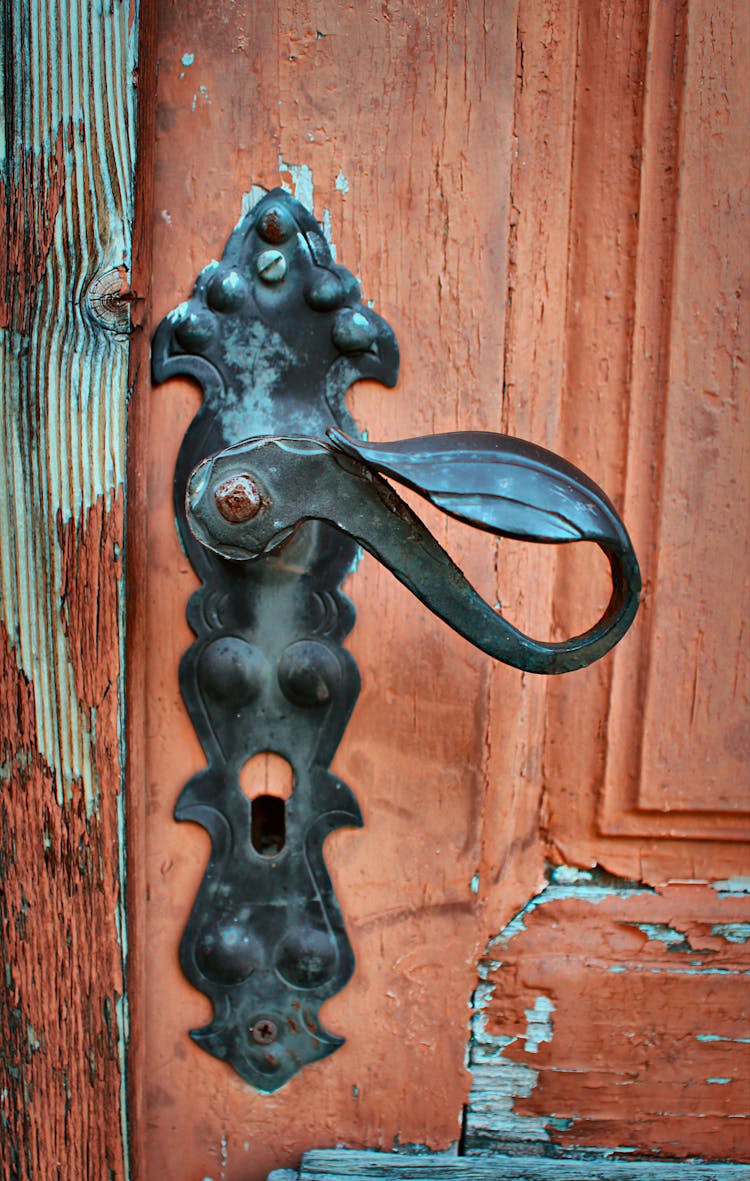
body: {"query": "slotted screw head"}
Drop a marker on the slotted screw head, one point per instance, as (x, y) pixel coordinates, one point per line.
(271, 266)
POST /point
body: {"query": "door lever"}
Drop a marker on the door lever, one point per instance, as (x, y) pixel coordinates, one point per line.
(275, 333)
(497, 483)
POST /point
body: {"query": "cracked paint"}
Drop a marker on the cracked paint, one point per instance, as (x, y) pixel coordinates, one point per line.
(68, 192)
(730, 887)
(575, 1044)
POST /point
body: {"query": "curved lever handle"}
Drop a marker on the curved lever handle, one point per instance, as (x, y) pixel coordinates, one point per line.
(248, 500)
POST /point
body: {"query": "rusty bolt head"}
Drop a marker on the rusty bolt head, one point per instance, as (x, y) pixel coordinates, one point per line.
(238, 499)
(276, 225)
(264, 1032)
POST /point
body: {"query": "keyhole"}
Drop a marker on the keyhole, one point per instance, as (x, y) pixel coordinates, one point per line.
(268, 825)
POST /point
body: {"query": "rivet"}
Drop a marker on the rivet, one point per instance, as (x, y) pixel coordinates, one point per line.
(227, 291)
(195, 330)
(271, 266)
(352, 332)
(238, 499)
(264, 1032)
(326, 293)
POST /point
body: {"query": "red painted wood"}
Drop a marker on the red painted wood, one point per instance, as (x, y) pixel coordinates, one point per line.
(615, 1018)
(503, 182)
(66, 201)
(660, 787)
(60, 1050)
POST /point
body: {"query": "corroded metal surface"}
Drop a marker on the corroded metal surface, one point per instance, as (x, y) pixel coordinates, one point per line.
(499, 484)
(275, 334)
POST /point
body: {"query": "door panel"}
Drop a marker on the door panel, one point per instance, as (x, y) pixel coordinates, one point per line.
(502, 181)
(656, 375)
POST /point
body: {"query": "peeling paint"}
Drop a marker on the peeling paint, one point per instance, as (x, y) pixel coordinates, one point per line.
(302, 181)
(603, 1062)
(492, 1101)
(498, 1081)
(328, 232)
(715, 1037)
(202, 92)
(593, 886)
(570, 875)
(303, 189)
(539, 1027)
(250, 199)
(730, 887)
(60, 376)
(732, 932)
(662, 933)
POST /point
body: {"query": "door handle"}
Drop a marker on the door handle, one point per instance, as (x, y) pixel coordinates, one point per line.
(497, 483)
(273, 491)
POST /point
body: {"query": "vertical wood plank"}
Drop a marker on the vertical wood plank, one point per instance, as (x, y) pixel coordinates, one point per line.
(534, 355)
(67, 151)
(697, 523)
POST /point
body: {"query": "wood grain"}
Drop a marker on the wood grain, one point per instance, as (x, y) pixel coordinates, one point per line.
(652, 390)
(341, 101)
(66, 197)
(501, 178)
(367, 1166)
(610, 1015)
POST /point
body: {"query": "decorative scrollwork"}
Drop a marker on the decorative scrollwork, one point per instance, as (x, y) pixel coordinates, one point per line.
(275, 334)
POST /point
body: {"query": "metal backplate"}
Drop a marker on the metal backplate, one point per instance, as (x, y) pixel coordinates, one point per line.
(275, 334)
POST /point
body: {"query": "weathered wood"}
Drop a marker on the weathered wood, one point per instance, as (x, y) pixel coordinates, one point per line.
(654, 381)
(136, 559)
(296, 94)
(369, 1166)
(66, 195)
(502, 179)
(610, 1014)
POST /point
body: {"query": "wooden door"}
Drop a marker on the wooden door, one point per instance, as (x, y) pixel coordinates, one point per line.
(547, 902)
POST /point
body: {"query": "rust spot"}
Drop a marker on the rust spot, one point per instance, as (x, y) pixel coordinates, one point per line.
(272, 227)
(238, 499)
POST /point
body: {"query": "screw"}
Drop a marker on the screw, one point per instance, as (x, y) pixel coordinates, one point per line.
(263, 1032)
(276, 225)
(238, 499)
(271, 266)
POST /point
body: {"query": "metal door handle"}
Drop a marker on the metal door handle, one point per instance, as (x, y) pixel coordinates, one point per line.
(275, 333)
(497, 483)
